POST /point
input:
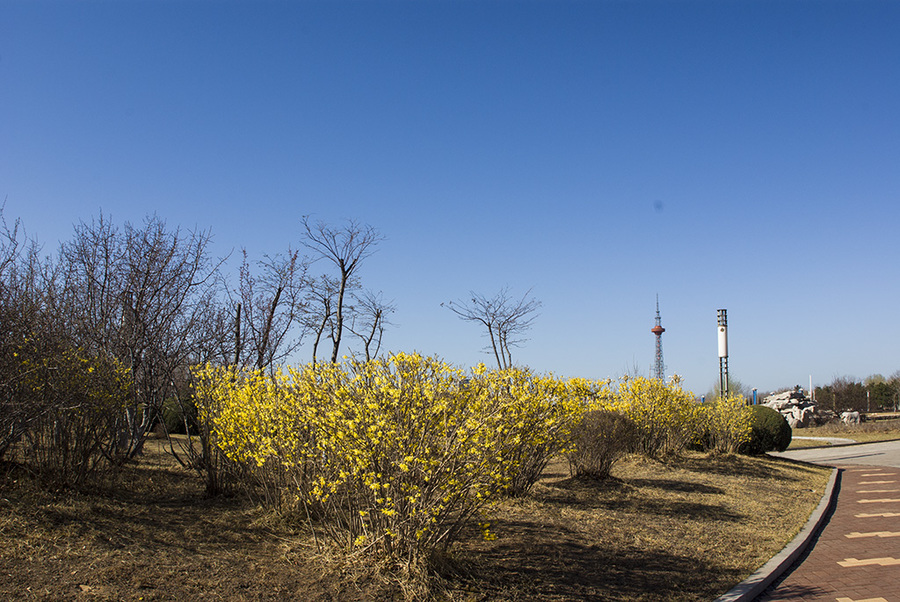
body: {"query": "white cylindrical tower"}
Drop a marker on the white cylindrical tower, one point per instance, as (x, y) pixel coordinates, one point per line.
(723, 353)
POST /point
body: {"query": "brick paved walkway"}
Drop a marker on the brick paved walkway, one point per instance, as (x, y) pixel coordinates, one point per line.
(856, 557)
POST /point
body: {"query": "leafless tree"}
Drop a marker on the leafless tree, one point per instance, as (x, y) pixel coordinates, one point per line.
(35, 345)
(10, 245)
(57, 395)
(344, 246)
(149, 295)
(848, 394)
(894, 382)
(318, 317)
(15, 412)
(271, 308)
(370, 320)
(505, 318)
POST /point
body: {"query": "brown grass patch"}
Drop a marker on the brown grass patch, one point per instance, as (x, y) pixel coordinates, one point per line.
(685, 530)
(804, 443)
(866, 432)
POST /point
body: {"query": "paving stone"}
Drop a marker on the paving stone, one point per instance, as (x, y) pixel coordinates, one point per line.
(856, 556)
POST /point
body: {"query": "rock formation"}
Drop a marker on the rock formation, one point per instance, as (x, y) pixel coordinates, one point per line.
(798, 409)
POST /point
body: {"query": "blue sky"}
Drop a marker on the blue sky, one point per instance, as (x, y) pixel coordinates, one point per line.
(721, 154)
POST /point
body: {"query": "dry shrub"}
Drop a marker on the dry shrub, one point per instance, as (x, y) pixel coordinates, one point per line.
(75, 399)
(600, 439)
(839, 428)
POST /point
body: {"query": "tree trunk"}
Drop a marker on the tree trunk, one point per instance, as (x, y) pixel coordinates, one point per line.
(264, 343)
(339, 316)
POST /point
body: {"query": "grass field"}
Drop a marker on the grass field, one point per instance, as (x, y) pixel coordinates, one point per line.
(866, 432)
(685, 530)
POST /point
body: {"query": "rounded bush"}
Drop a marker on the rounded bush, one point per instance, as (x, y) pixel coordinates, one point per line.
(770, 432)
(600, 439)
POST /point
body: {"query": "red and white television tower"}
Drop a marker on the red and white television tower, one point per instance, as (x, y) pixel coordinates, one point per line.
(659, 368)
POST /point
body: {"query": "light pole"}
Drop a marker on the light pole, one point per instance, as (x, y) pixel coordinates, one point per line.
(723, 353)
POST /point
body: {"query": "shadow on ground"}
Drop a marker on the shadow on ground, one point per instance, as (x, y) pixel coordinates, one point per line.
(617, 494)
(565, 566)
(737, 466)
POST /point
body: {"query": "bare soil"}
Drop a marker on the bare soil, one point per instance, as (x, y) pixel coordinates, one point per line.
(687, 529)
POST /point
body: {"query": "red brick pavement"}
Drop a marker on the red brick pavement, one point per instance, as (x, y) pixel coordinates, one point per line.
(856, 557)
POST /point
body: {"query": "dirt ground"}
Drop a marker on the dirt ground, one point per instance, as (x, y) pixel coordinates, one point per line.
(688, 529)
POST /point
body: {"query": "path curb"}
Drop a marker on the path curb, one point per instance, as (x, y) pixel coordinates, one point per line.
(754, 585)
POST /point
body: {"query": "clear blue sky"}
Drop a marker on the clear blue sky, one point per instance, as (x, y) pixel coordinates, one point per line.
(721, 154)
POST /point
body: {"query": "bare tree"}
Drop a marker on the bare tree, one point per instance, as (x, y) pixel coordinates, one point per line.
(345, 246)
(17, 321)
(505, 318)
(848, 394)
(272, 305)
(10, 245)
(60, 397)
(148, 295)
(894, 381)
(370, 320)
(735, 387)
(318, 317)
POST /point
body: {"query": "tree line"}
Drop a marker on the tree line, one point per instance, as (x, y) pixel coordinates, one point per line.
(97, 339)
(873, 394)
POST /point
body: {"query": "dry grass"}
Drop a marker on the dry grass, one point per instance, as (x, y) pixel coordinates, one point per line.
(685, 530)
(803, 443)
(149, 535)
(867, 432)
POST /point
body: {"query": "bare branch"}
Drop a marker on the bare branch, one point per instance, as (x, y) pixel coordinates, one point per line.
(370, 320)
(345, 247)
(272, 305)
(505, 318)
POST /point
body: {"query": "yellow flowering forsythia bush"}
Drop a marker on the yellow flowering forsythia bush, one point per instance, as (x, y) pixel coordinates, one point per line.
(258, 425)
(667, 417)
(68, 402)
(392, 455)
(395, 455)
(729, 423)
(539, 414)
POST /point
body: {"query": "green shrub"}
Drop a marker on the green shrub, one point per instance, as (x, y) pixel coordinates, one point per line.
(770, 432)
(600, 439)
(179, 418)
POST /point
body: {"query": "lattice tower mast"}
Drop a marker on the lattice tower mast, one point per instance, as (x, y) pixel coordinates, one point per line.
(659, 367)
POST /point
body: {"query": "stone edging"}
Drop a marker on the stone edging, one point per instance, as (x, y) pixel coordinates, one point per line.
(754, 585)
